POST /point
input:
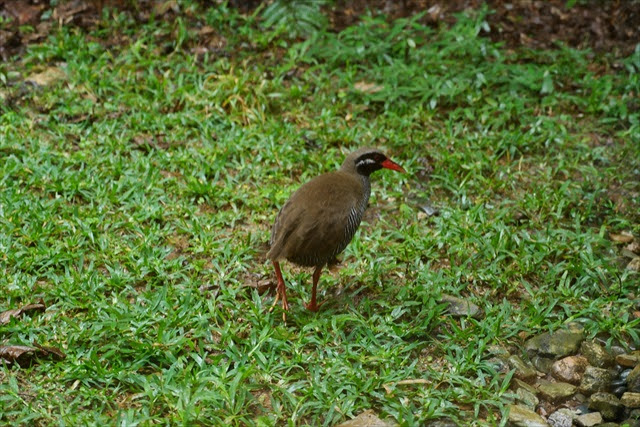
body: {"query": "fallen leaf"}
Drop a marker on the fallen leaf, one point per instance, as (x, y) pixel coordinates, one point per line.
(47, 77)
(367, 87)
(5, 316)
(25, 13)
(24, 355)
(164, 6)
(367, 418)
(430, 211)
(388, 388)
(19, 354)
(260, 283)
(206, 30)
(634, 264)
(633, 247)
(54, 351)
(624, 237)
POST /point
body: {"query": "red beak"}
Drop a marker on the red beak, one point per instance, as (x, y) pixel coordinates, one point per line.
(389, 164)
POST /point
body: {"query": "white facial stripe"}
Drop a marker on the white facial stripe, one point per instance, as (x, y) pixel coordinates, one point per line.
(365, 162)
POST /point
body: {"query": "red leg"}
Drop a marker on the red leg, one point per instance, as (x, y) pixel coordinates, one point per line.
(281, 291)
(316, 276)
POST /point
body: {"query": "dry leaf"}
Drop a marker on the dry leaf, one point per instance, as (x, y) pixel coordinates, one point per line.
(206, 30)
(5, 316)
(367, 418)
(367, 87)
(634, 264)
(633, 247)
(25, 356)
(624, 237)
(163, 7)
(47, 77)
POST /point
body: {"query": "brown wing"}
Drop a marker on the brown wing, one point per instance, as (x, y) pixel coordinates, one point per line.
(314, 224)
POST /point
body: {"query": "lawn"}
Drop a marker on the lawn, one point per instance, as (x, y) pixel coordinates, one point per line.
(140, 174)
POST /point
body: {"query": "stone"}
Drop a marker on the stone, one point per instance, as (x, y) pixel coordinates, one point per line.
(460, 307)
(596, 354)
(498, 350)
(523, 370)
(556, 345)
(521, 416)
(542, 364)
(561, 418)
(596, 379)
(627, 360)
(631, 400)
(607, 404)
(633, 380)
(634, 264)
(527, 398)
(589, 420)
(521, 384)
(441, 423)
(367, 418)
(555, 392)
(570, 369)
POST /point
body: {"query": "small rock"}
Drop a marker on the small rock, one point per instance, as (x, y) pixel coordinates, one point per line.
(521, 384)
(561, 418)
(619, 391)
(521, 416)
(367, 418)
(589, 420)
(596, 379)
(498, 350)
(559, 344)
(633, 380)
(441, 423)
(634, 264)
(555, 392)
(527, 398)
(596, 354)
(631, 400)
(607, 404)
(542, 364)
(459, 307)
(522, 369)
(570, 369)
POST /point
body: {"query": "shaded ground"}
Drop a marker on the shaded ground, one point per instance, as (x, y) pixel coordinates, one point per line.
(611, 26)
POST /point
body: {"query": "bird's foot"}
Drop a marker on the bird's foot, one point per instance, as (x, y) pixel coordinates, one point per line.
(275, 301)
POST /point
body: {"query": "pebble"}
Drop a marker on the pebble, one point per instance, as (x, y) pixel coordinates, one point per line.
(570, 369)
(555, 392)
(521, 416)
(596, 379)
(589, 420)
(631, 400)
(596, 354)
(607, 404)
(561, 418)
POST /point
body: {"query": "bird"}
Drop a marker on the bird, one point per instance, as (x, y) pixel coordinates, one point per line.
(322, 216)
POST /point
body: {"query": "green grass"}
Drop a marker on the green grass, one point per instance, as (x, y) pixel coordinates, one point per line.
(151, 173)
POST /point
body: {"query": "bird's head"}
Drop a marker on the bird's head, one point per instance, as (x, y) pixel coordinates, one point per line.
(365, 161)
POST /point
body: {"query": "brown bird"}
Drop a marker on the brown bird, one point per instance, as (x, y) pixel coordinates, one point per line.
(322, 216)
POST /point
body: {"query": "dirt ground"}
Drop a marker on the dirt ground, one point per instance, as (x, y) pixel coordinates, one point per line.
(602, 25)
